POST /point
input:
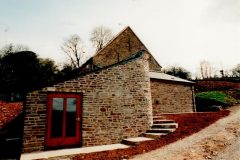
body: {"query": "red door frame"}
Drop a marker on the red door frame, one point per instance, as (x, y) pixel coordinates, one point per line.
(64, 141)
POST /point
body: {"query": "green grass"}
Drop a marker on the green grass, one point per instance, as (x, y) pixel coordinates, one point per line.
(217, 96)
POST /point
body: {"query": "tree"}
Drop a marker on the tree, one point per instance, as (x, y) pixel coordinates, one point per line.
(22, 72)
(236, 71)
(11, 48)
(178, 72)
(100, 36)
(207, 70)
(67, 72)
(74, 49)
(49, 71)
(225, 73)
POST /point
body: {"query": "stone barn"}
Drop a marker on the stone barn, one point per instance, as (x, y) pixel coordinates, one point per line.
(171, 94)
(114, 96)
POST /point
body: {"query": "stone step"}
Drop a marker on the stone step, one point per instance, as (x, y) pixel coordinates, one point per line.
(160, 130)
(163, 121)
(165, 125)
(154, 135)
(136, 140)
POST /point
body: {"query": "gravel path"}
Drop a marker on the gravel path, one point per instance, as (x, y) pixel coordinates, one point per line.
(232, 151)
(220, 141)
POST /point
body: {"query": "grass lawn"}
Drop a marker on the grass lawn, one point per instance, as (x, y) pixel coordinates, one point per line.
(205, 100)
(220, 97)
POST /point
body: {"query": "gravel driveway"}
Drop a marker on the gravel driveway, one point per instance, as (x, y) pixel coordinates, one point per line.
(219, 141)
(232, 151)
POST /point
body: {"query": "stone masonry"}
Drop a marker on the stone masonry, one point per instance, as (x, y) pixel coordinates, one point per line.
(121, 47)
(206, 85)
(116, 104)
(171, 97)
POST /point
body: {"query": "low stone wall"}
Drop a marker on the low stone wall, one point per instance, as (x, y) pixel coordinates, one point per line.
(171, 97)
(116, 104)
(208, 85)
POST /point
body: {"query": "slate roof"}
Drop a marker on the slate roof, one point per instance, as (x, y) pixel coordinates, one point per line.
(163, 76)
(9, 111)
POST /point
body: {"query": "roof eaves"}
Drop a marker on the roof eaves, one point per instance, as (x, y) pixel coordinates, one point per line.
(166, 77)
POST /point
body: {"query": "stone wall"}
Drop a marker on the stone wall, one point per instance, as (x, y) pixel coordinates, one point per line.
(116, 104)
(171, 97)
(208, 85)
(35, 121)
(120, 48)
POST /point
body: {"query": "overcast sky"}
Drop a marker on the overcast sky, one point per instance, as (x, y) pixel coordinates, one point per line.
(177, 32)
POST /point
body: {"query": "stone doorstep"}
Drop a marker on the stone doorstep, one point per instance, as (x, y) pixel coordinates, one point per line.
(136, 140)
(72, 151)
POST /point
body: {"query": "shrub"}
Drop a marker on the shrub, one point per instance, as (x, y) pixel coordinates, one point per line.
(204, 100)
(234, 93)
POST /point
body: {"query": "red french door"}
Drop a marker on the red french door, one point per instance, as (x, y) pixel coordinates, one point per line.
(63, 120)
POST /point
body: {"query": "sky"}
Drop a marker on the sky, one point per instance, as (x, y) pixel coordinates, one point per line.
(176, 32)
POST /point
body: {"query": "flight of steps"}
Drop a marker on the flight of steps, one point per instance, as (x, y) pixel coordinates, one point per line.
(160, 127)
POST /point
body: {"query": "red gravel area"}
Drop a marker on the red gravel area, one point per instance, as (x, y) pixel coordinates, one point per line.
(9, 111)
(189, 123)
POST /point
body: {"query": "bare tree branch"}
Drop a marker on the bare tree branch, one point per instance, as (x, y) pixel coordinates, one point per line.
(236, 71)
(100, 36)
(73, 48)
(207, 70)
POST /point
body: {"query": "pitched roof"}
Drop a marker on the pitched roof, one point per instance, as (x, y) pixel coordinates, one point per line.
(163, 76)
(9, 111)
